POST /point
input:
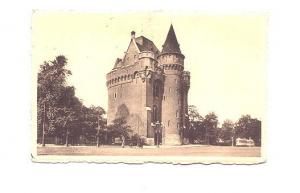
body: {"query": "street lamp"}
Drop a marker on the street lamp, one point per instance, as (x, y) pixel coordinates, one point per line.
(44, 118)
(157, 133)
(98, 132)
(232, 137)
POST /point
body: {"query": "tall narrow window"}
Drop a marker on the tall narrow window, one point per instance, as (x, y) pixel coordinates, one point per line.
(115, 95)
(156, 89)
(169, 123)
(154, 114)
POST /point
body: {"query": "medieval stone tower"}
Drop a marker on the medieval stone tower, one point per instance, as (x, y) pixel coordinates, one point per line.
(149, 88)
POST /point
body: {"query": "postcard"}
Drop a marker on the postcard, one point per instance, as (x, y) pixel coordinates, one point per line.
(143, 87)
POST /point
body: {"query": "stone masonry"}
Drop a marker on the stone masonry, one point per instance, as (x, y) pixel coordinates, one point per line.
(149, 88)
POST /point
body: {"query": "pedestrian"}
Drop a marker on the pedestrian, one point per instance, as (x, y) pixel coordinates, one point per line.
(123, 141)
(141, 142)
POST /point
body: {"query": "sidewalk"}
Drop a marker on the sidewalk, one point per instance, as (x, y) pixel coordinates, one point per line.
(119, 146)
(175, 146)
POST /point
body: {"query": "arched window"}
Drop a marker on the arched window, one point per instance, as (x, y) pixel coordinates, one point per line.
(169, 123)
(157, 88)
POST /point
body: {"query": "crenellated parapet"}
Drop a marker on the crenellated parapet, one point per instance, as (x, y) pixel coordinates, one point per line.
(130, 73)
(150, 88)
(172, 67)
(171, 58)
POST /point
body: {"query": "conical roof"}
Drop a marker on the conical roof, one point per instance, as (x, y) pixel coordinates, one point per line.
(171, 44)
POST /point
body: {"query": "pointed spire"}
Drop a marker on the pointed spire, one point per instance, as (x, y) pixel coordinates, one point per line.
(171, 44)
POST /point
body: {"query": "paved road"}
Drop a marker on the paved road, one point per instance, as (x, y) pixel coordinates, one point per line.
(151, 151)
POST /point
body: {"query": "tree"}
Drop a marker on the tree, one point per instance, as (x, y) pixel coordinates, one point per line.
(93, 123)
(196, 130)
(247, 127)
(66, 123)
(210, 123)
(51, 83)
(119, 128)
(193, 113)
(60, 112)
(69, 116)
(255, 131)
(225, 133)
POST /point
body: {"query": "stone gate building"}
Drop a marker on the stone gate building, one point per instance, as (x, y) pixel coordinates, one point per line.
(149, 88)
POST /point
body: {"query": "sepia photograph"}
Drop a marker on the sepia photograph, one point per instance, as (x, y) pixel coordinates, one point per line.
(142, 87)
(150, 96)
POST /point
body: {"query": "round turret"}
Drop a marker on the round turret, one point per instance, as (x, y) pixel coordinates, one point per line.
(173, 105)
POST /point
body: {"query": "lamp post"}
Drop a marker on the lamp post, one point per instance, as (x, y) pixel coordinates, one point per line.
(105, 129)
(232, 137)
(98, 132)
(44, 119)
(157, 133)
(162, 126)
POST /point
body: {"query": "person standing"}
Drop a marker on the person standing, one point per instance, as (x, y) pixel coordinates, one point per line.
(123, 141)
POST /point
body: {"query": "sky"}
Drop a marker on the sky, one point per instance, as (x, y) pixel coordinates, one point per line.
(226, 54)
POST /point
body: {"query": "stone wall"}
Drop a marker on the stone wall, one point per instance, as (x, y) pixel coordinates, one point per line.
(131, 93)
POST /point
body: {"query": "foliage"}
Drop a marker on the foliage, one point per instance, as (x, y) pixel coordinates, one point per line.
(60, 112)
(196, 129)
(206, 130)
(93, 123)
(210, 123)
(50, 92)
(247, 127)
(226, 131)
(193, 113)
(202, 130)
(119, 128)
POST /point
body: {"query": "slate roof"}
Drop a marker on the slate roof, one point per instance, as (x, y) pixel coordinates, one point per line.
(171, 44)
(144, 44)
